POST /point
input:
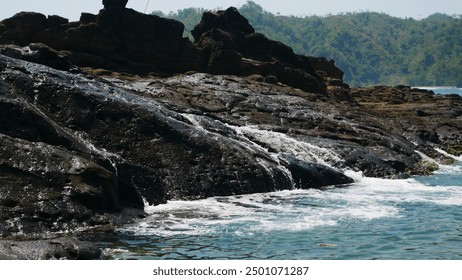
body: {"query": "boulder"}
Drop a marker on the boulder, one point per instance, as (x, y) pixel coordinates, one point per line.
(24, 28)
(229, 21)
(305, 174)
(39, 53)
(233, 44)
(115, 4)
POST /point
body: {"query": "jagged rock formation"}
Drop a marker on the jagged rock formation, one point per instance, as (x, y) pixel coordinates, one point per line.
(81, 152)
(123, 40)
(235, 48)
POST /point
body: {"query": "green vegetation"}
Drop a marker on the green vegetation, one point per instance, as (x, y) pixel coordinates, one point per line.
(371, 48)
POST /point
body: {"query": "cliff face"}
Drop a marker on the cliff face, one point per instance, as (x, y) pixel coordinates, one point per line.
(124, 40)
(80, 151)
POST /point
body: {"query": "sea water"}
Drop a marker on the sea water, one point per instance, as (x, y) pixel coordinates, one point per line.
(444, 90)
(416, 218)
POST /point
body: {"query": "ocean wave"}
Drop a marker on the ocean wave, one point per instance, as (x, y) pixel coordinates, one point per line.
(297, 210)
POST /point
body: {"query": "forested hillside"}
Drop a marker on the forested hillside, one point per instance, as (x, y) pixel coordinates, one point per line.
(371, 48)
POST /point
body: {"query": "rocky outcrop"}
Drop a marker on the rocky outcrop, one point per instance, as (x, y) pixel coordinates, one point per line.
(114, 4)
(235, 48)
(118, 39)
(123, 40)
(361, 137)
(78, 152)
(82, 153)
(80, 148)
(418, 115)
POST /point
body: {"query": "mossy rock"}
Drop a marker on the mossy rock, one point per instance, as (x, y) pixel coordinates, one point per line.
(424, 167)
(455, 149)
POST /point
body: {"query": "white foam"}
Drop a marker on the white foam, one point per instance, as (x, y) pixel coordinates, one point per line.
(452, 169)
(459, 158)
(295, 210)
(284, 144)
(410, 191)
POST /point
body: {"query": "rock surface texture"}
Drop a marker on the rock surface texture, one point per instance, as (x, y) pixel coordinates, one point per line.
(81, 152)
(124, 40)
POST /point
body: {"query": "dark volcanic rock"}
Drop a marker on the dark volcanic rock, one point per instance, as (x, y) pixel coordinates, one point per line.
(291, 122)
(117, 38)
(50, 174)
(109, 4)
(418, 115)
(38, 53)
(83, 153)
(305, 174)
(235, 48)
(80, 148)
(52, 249)
(123, 40)
(79, 152)
(229, 21)
(23, 28)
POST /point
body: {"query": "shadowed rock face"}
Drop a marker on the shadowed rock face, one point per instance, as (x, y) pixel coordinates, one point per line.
(124, 40)
(235, 48)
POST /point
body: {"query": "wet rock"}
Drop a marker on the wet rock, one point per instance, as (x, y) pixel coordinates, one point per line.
(419, 115)
(82, 150)
(81, 153)
(307, 175)
(48, 173)
(52, 249)
(289, 120)
(39, 53)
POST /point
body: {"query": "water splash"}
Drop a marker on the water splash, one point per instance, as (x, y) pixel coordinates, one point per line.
(459, 158)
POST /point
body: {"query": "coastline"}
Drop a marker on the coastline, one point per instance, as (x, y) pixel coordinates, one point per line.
(86, 139)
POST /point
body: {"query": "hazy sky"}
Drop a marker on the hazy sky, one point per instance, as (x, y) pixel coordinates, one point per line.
(401, 8)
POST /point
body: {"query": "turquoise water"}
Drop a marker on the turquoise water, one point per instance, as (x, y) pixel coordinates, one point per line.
(373, 218)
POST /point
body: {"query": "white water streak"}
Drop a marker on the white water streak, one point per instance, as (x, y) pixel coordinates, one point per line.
(296, 210)
(285, 144)
(459, 158)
